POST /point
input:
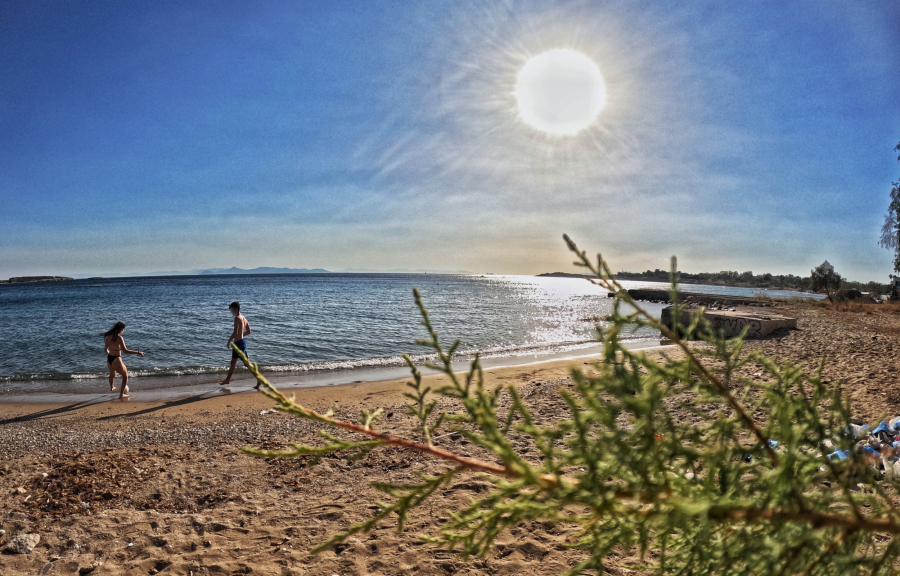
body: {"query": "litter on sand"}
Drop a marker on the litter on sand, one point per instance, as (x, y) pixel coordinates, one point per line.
(879, 446)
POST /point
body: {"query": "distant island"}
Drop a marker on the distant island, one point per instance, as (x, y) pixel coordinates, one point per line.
(264, 270)
(733, 279)
(35, 279)
(224, 271)
(403, 271)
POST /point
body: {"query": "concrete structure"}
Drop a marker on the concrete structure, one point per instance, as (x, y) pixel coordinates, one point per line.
(732, 323)
(663, 296)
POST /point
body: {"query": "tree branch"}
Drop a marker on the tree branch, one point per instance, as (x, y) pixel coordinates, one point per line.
(608, 281)
(285, 404)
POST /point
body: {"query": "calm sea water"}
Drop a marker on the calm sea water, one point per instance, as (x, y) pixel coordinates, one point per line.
(301, 323)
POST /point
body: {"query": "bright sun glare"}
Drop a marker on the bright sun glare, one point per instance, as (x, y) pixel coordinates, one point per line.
(560, 91)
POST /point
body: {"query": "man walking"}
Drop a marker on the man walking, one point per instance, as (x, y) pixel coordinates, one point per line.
(241, 329)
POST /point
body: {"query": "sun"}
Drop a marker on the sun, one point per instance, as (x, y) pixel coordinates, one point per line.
(560, 91)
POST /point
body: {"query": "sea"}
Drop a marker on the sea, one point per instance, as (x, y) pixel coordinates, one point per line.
(308, 329)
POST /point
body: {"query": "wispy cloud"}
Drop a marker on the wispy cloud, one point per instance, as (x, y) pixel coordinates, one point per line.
(734, 135)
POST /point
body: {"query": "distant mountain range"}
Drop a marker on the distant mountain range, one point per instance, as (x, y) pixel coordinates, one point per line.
(264, 270)
(269, 270)
(402, 271)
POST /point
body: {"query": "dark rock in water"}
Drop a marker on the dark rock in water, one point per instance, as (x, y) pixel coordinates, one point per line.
(648, 295)
(709, 300)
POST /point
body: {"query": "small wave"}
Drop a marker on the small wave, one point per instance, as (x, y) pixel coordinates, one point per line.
(50, 376)
(64, 376)
(324, 365)
(394, 361)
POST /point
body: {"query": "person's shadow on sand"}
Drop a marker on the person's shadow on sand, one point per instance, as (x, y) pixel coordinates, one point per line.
(169, 404)
(52, 411)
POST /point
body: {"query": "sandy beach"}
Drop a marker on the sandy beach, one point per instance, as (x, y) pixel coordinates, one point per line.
(162, 487)
(338, 189)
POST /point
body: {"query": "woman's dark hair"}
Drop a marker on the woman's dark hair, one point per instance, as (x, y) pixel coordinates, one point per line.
(115, 330)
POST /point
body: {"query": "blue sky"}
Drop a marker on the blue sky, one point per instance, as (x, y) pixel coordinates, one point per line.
(145, 136)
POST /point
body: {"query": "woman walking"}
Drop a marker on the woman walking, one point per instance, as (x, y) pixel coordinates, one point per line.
(115, 347)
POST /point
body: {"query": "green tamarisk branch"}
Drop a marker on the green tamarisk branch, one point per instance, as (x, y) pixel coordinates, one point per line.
(714, 472)
(289, 405)
(421, 407)
(607, 280)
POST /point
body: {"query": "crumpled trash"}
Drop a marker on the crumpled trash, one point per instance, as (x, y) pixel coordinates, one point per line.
(883, 427)
(774, 444)
(857, 431)
(884, 433)
(874, 442)
(269, 411)
(891, 469)
(878, 446)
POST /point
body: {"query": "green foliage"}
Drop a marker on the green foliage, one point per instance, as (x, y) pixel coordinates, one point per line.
(766, 280)
(873, 287)
(824, 278)
(708, 494)
(728, 277)
(890, 232)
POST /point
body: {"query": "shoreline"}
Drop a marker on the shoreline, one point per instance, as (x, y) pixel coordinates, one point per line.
(209, 417)
(314, 370)
(295, 382)
(141, 486)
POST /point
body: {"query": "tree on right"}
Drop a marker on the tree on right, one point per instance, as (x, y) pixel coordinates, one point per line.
(890, 232)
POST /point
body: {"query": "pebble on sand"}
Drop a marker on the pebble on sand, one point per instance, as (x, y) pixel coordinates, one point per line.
(23, 543)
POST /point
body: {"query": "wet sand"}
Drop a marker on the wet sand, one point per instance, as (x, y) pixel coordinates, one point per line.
(162, 487)
(156, 389)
